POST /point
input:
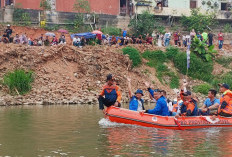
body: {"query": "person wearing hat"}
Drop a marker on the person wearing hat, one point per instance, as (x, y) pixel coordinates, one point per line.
(161, 107)
(8, 32)
(136, 101)
(111, 92)
(189, 106)
(225, 108)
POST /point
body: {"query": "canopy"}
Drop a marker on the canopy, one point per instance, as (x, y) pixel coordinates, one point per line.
(97, 32)
(50, 34)
(87, 35)
(63, 31)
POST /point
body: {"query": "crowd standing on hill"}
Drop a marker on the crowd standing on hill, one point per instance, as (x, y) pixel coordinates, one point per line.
(156, 38)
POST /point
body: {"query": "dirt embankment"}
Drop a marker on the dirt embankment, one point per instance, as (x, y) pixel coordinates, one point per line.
(66, 74)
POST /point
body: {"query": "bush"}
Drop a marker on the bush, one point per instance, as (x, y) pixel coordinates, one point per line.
(171, 52)
(157, 56)
(198, 21)
(134, 55)
(112, 31)
(18, 81)
(224, 61)
(143, 24)
(203, 88)
(226, 78)
(198, 68)
(21, 17)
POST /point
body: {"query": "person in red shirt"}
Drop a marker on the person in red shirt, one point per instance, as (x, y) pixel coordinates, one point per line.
(220, 40)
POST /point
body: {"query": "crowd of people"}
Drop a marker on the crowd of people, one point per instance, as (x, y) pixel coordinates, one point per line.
(160, 39)
(45, 40)
(185, 103)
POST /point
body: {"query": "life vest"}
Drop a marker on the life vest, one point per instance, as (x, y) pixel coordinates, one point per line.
(185, 107)
(226, 97)
(110, 93)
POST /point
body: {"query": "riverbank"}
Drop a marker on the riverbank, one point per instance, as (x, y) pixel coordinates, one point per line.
(69, 75)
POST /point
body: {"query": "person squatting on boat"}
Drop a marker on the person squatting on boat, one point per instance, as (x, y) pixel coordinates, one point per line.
(111, 92)
(136, 101)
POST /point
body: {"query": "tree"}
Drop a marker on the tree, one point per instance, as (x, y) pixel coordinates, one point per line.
(198, 21)
(44, 5)
(81, 6)
(144, 24)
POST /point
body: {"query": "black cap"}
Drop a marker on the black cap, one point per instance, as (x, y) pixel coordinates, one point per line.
(188, 93)
(109, 77)
(224, 85)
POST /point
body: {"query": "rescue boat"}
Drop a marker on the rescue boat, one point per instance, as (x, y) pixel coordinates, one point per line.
(121, 115)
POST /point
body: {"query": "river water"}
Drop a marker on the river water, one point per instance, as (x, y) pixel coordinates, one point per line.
(81, 130)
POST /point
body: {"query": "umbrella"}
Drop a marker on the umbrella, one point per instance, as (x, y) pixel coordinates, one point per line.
(63, 31)
(50, 34)
(97, 32)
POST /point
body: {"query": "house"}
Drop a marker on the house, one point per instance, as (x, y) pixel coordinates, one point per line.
(110, 7)
(183, 7)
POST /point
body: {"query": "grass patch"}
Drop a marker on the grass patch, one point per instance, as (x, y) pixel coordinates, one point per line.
(198, 68)
(18, 81)
(112, 31)
(226, 78)
(171, 52)
(224, 61)
(134, 55)
(157, 60)
(203, 88)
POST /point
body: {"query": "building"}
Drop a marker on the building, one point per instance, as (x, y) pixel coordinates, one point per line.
(183, 7)
(111, 7)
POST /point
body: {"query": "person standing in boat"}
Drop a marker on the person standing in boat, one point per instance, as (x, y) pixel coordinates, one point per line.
(225, 108)
(161, 107)
(211, 103)
(111, 92)
(136, 101)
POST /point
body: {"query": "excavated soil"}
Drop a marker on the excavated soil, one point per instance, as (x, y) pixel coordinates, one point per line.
(66, 74)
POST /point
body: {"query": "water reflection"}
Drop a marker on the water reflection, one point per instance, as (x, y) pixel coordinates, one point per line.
(82, 131)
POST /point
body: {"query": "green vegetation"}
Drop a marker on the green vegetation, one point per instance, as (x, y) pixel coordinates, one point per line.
(203, 88)
(20, 16)
(112, 31)
(201, 49)
(171, 52)
(225, 78)
(198, 21)
(144, 24)
(198, 68)
(18, 81)
(134, 55)
(228, 28)
(224, 61)
(157, 60)
(45, 5)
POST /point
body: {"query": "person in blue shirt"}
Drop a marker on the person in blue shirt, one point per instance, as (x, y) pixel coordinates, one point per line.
(161, 107)
(211, 103)
(124, 33)
(136, 101)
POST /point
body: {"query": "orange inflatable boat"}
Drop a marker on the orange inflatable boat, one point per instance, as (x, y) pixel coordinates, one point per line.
(121, 115)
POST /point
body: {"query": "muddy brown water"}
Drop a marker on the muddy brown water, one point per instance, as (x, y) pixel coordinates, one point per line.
(81, 130)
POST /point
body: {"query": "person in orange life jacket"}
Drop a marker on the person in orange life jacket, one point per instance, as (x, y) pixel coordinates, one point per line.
(225, 108)
(136, 101)
(111, 92)
(189, 106)
(177, 105)
(211, 103)
(161, 107)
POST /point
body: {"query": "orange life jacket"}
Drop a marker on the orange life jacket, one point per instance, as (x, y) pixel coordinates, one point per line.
(227, 97)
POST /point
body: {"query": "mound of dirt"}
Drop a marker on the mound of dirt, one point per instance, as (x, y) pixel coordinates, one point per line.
(66, 74)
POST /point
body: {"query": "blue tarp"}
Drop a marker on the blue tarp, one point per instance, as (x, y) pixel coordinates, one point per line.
(87, 35)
